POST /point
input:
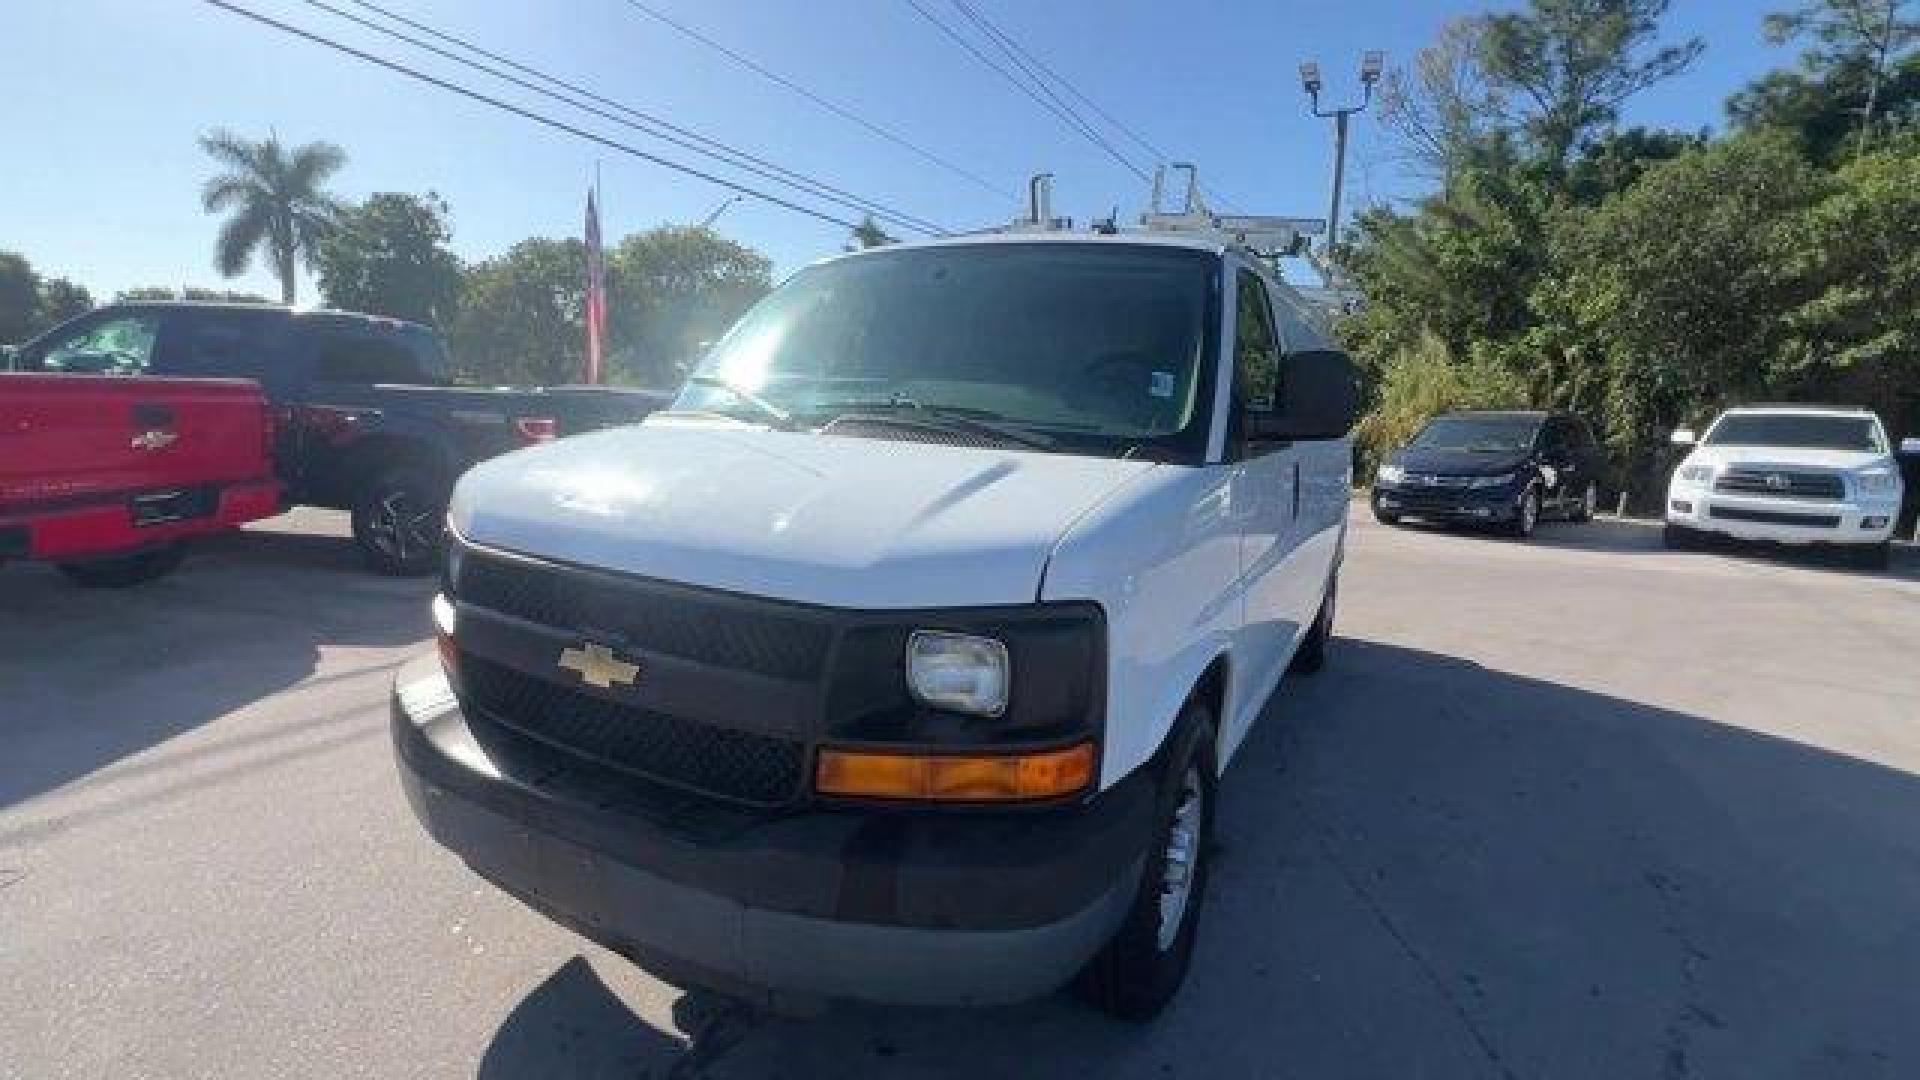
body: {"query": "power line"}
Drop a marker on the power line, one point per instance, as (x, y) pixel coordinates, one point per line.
(646, 123)
(1020, 60)
(1019, 84)
(831, 106)
(1159, 156)
(524, 113)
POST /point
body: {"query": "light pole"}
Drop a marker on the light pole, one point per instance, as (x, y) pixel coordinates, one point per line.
(1371, 64)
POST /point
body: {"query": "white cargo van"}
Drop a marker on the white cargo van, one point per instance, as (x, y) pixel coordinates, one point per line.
(899, 660)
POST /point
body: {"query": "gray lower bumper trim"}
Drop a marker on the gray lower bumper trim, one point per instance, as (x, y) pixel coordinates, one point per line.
(691, 933)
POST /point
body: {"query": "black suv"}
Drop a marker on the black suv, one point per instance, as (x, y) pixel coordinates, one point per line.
(367, 419)
(1505, 468)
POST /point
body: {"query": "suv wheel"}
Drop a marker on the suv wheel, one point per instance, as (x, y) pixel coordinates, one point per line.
(1874, 556)
(1527, 514)
(1679, 538)
(398, 522)
(1142, 967)
(1588, 504)
(124, 570)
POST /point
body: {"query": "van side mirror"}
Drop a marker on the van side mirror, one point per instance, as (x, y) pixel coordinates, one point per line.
(1319, 399)
(1910, 447)
(1683, 437)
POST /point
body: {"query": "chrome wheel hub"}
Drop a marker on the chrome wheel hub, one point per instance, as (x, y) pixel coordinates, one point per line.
(1182, 858)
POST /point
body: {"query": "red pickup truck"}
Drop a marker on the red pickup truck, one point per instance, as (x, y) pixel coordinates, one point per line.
(105, 475)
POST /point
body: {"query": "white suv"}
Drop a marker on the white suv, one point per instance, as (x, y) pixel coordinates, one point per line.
(898, 659)
(1789, 474)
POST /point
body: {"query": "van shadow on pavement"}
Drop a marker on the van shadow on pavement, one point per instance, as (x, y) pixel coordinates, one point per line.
(1428, 868)
(92, 675)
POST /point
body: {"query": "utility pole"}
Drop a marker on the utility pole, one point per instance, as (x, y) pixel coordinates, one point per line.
(1372, 62)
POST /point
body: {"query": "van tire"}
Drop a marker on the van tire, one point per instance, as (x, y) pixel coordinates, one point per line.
(1311, 656)
(125, 570)
(387, 516)
(1135, 975)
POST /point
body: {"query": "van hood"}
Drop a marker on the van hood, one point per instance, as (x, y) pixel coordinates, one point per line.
(821, 519)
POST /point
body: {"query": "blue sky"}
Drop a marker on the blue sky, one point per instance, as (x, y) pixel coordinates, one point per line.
(105, 98)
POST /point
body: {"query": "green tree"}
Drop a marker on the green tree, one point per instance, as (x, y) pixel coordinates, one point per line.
(190, 292)
(1821, 108)
(19, 298)
(1441, 111)
(1569, 65)
(670, 289)
(30, 303)
(61, 300)
(520, 315)
(1677, 288)
(1856, 338)
(389, 256)
(1423, 379)
(1865, 36)
(274, 201)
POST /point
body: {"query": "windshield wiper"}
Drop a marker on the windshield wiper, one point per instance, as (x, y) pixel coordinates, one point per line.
(951, 417)
(780, 418)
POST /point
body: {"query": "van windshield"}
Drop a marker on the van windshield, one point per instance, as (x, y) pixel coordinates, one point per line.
(1090, 348)
(1797, 430)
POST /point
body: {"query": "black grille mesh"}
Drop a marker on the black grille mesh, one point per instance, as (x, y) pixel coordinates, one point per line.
(742, 766)
(1788, 485)
(646, 617)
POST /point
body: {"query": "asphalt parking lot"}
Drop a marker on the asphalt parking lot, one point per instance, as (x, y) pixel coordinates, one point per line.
(1575, 808)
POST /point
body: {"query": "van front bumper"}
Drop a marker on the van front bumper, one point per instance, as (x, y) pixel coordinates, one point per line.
(1782, 521)
(912, 907)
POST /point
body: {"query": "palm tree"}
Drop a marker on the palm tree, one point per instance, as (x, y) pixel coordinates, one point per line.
(275, 201)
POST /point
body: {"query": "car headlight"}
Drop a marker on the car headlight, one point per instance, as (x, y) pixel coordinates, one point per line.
(958, 671)
(1491, 481)
(1697, 474)
(1876, 482)
(1391, 474)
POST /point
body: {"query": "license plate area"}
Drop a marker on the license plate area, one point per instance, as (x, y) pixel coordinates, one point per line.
(177, 504)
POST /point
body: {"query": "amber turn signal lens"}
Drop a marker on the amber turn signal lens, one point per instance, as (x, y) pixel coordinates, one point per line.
(955, 777)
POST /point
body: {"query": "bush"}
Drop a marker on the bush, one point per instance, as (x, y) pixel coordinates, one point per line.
(1422, 380)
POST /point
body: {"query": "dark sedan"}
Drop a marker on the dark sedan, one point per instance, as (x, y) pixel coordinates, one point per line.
(1493, 468)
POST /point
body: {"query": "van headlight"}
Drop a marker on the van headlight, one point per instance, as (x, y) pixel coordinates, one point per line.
(1697, 474)
(958, 671)
(1391, 474)
(1876, 482)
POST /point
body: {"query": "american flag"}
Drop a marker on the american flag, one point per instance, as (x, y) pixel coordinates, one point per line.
(596, 291)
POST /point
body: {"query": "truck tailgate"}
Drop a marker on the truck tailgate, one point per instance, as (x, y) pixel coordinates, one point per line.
(69, 439)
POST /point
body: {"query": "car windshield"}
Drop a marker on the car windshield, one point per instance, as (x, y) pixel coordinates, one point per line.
(1803, 430)
(1479, 434)
(1092, 348)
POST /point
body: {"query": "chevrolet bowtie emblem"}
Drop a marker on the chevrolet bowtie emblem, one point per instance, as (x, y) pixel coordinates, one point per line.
(598, 666)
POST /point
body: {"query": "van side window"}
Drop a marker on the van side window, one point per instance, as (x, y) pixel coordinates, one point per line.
(352, 358)
(1256, 351)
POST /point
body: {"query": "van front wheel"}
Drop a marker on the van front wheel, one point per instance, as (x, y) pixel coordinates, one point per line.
(1140, 970)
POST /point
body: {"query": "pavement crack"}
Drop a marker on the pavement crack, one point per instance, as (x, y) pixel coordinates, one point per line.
(1354, 884)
